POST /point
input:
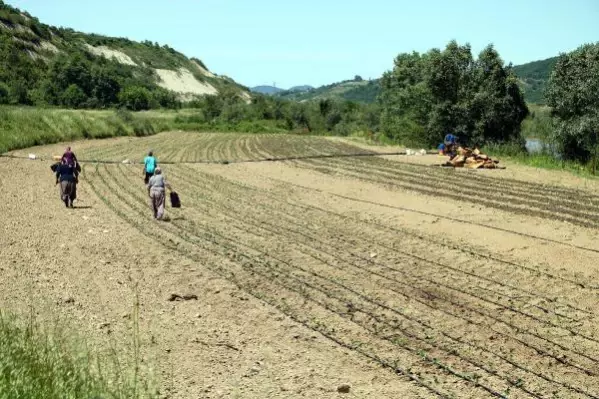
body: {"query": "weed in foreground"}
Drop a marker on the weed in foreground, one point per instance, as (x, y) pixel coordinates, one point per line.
(48, 363)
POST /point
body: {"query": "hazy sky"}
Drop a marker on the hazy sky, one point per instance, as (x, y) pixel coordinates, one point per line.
(323, 41)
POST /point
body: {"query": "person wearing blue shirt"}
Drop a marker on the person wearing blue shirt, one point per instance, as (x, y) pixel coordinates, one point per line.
(449, 145)
(150, 165)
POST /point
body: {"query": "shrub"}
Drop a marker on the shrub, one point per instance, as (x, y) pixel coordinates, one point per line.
(135, 98)
(4, 93)
(73, 97)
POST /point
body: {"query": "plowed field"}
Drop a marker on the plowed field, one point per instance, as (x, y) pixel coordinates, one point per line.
(398, 278)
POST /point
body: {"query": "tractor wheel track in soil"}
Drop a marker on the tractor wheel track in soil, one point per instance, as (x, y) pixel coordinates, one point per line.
(413, 255)
(476, 177)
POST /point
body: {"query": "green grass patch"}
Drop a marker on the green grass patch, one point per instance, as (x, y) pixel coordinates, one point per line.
(37, 363)
(22, 127)
(541, 160)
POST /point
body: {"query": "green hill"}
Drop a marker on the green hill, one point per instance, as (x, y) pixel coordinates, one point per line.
(533, 78)
(265, 89)
(45, 65)
(358, 90)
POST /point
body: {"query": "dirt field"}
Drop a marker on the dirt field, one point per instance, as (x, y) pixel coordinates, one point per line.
(400, 279)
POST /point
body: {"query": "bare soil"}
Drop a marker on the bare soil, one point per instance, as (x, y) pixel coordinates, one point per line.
(393, 276)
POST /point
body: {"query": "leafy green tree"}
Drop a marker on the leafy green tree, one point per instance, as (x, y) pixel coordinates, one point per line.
(332, 119)
(299, 116)
(426, 96)
(496, 104)
(4, 92)
(406, 100)
(17, 92)
(73, 97)
(572, 93)
(105, 87)
(325, 106)
(135, 98)
(212, 106)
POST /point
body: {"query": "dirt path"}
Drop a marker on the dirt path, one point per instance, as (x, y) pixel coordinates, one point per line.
(400, 280)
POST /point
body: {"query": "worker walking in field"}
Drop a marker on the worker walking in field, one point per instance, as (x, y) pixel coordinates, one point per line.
(69, 157)
(150, 165)
(66, 176)
(157, 186)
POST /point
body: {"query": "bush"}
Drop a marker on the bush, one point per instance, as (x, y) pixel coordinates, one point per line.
(73, 97)
(135, 98)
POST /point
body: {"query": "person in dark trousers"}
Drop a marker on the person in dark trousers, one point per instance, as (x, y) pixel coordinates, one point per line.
(150, 165)
(66, 176)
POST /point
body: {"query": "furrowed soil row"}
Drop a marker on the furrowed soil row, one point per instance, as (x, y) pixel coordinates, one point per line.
(498, 183)
(419, 185)
(457, 220)
(567, 199)
(531, 294)
(225, 250)
(260, 224)
(455, 181)
(422, 242)
(573, 388)
(328, 289)
(336, 231)
(298, 146)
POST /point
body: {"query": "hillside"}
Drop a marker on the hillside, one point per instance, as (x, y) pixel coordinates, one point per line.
(271, 90)
(301, 88)
(265, 89)
(362, 91)
(45, 65)
(533, 78)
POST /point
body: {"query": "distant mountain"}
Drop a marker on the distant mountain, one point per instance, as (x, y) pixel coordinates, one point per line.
(364, 91)
(534, 77)
(268, 90)
(301, 88)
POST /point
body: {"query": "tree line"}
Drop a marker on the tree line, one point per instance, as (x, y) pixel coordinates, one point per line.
(423, 97)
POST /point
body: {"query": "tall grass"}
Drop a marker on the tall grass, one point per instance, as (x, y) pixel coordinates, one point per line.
(544, 159)
(37, 363)
(22, 127)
